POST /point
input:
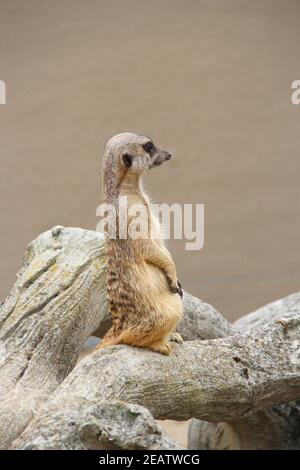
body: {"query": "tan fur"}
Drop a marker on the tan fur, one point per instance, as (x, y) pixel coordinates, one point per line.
(141, 275)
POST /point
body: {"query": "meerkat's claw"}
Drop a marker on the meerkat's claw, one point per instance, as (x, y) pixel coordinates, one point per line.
(180, 290)
(175, 288)
(176, 338)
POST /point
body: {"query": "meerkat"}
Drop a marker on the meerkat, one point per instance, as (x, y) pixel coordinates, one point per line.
(143, 293)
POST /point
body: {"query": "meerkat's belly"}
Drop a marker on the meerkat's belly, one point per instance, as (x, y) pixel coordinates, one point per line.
(153, 290)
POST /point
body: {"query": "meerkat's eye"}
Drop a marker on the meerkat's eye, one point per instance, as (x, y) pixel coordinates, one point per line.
(127, 160)
(149, 147)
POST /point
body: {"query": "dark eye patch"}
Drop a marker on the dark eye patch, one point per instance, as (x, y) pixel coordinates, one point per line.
(127, 160)
(149, 147)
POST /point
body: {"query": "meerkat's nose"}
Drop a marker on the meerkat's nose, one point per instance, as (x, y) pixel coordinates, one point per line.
(168, 156)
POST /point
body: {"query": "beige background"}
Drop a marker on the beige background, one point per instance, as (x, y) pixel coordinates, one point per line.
(210, 80)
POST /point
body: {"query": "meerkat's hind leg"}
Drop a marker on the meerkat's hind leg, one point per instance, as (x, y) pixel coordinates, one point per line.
(176, 338)
(162, 347)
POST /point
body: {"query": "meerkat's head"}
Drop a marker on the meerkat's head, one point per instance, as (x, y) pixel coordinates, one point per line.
(128, 156)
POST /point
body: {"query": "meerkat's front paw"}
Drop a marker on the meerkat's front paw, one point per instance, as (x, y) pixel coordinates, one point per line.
(175, 287)
(176, 338)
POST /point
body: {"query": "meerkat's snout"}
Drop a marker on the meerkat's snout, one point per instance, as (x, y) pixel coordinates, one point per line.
(161, 157)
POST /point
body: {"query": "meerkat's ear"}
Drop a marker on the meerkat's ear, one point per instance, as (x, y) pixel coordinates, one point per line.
(127, 160)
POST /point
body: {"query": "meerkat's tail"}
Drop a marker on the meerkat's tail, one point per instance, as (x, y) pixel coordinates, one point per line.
(105, 344)
(124, 337)
(108, 340)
